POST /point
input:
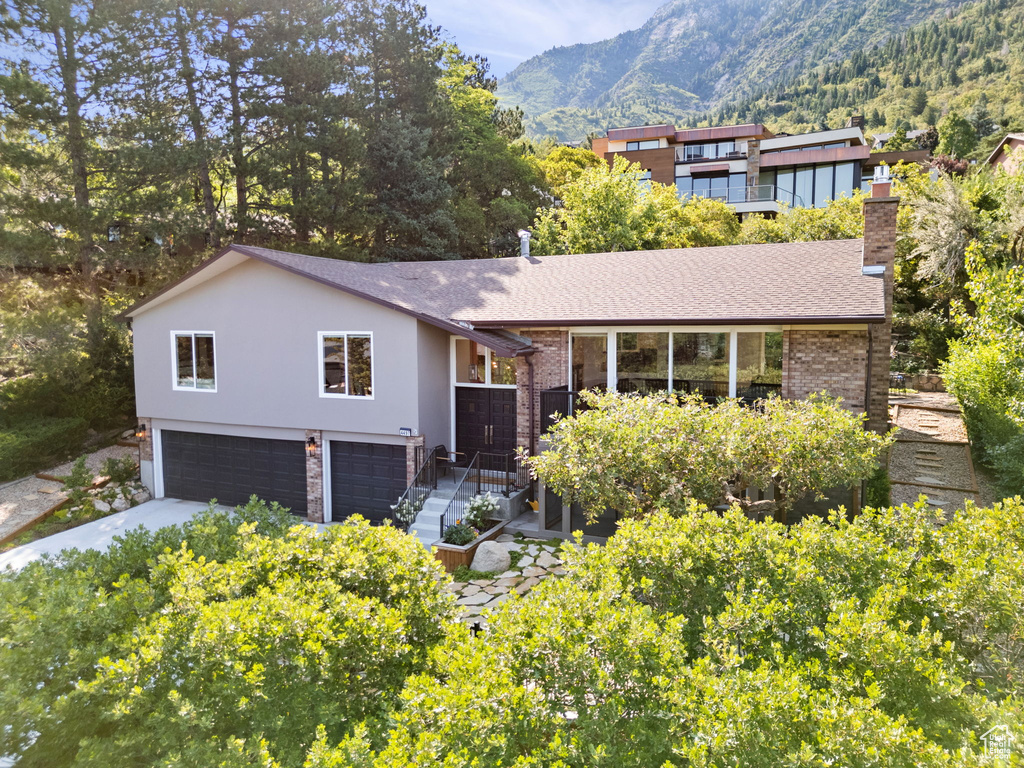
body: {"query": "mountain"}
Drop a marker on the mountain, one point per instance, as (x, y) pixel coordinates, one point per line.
(692, 55)
(971, 61)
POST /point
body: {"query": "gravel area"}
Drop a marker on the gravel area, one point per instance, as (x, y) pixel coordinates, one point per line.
(24, 500)
(936, 465)
(948, 501)
(927, 399)
(920, 424)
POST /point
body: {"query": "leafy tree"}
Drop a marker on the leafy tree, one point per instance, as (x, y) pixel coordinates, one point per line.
(985, 370)
(710, 640)
(235, 635)
(841, 219)
(638, 454)
(899, 142)
(956, 135)
(564, 165)
(616, 209)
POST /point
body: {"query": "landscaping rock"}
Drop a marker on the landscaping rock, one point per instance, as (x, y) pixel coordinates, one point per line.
(505, 537)
(142, 497)
(534, 570)
(524, 561)
(120, 504)
(508, 575)
(477, 599)
(509, 581)
(491, 556)
(482, 582)
(101, 505)
(547, 560)
(526, 585)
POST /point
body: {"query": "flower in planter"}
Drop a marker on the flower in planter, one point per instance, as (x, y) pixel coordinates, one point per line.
(481, 508)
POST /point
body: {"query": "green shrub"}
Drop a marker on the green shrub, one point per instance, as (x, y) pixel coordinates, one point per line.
(33, 444)
(459, 534)
(877, 489)
(120, 471)
(981, 378)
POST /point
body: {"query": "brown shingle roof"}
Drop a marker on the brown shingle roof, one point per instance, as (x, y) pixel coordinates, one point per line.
(818, 282)
(780, 282)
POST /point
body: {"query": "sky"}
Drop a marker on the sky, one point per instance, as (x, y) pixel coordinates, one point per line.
(508, 32)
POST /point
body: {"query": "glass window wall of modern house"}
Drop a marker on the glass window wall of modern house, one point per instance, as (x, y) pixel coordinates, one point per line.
(713, 150)
(729, 188)
(717, 364)
(811, 186)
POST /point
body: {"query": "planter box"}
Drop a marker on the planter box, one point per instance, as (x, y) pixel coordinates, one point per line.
(452, 556)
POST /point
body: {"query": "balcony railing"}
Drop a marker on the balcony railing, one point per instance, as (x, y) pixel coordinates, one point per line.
(722, 150)
(765, 193)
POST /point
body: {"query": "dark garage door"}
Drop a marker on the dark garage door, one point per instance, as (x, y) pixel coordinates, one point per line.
(366, 478)
(230, 469)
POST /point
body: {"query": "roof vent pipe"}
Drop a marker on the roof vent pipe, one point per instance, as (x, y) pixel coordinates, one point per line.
(524, 243)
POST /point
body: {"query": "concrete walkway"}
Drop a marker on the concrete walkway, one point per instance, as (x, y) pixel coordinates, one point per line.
(100, 534)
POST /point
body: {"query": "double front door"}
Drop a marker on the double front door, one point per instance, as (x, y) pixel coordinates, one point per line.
(485, 421)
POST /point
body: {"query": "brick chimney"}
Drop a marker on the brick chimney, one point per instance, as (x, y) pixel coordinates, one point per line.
(879, 259)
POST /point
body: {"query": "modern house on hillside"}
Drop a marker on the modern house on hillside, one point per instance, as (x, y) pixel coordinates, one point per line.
(320, 383)
(749, 167)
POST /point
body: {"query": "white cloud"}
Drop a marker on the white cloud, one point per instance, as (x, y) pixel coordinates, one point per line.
(510, 31)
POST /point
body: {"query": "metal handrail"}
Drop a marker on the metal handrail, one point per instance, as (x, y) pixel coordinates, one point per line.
(423, 482)
(464, 493)
(763, 193)
(508, 474)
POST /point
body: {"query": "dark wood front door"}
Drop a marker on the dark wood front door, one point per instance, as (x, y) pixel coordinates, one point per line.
(485, 420)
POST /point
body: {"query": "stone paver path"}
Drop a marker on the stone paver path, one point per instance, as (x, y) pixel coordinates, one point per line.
(932, 455)
(538, 560)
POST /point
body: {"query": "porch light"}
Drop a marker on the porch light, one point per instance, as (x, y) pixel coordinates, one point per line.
(311, 446)
(140, 431)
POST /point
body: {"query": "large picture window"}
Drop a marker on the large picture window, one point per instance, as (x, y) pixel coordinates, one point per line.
(346, 364)
(810, 186)
(194, 366)
(715, 365)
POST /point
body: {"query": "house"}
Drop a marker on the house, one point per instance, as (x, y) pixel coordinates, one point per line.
(1009, 153)
(880, 139)
(319, 383)
(747, 166)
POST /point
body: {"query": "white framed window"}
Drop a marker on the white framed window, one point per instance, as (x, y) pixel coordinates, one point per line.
(475, 365)
(346, 364)
(193, 361)
(712, 361)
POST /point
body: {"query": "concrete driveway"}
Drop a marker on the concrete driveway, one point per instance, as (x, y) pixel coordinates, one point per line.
(99, 534)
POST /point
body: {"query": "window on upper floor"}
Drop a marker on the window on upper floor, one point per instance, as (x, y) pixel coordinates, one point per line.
(632, 146)
(194, 365)
(346, 364)
(714, 150)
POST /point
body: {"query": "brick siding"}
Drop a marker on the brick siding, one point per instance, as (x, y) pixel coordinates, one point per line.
(551, 369)
(146, 444)
(825, 361)
(880, 250)
(315, 478)
(411, 465)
